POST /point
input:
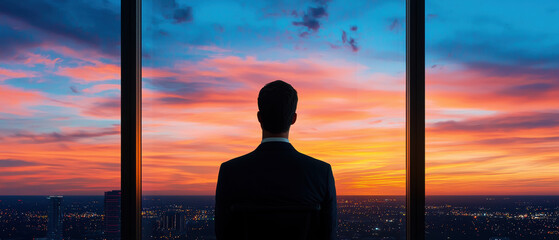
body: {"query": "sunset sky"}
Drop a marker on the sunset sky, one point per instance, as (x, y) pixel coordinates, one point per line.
(492, 87)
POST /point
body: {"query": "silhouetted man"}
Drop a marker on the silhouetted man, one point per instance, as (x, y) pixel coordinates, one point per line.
(275, 174)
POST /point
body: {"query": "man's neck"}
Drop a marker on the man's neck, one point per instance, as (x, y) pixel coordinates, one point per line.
(266, 134)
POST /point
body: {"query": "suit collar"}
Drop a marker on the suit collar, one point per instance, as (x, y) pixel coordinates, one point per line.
(274, 139)
(278, 146)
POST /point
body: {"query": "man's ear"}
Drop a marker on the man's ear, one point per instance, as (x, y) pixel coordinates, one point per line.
(294, 118)
(258, 116)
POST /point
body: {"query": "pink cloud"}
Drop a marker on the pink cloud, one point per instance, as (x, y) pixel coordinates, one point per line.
(460, 89)
(210, 48)
(100, 107)
(97, 72)
(85, 55)
(17, 101)
(8, 74)
(33, 59)
(101, 88)
(148, 72)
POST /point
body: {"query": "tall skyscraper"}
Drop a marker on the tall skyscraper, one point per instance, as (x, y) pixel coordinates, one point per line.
(112, 215)
(55, 217)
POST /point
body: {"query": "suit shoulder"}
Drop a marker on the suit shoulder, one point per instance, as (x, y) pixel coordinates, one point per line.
(235, 161)
(316, 162)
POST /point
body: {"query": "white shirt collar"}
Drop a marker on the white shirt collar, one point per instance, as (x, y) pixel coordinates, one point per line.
(275, 139)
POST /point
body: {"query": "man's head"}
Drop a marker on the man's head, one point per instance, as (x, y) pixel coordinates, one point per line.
(277, 102)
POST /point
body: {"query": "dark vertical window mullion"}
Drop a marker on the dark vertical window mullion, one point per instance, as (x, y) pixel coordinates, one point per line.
(415, 119)
(131, 120)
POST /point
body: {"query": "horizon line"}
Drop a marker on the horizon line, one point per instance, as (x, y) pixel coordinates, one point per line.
(473, 195)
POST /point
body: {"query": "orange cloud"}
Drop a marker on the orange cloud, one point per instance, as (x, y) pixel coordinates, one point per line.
(355, 125)
(71, 161)
(196, 115)
(491, 133)
(187, 135)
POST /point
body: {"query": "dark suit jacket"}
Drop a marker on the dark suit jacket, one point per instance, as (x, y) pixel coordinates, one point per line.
(275, 173)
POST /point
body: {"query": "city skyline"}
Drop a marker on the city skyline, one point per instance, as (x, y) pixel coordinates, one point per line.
(187, 217)
(491, 82)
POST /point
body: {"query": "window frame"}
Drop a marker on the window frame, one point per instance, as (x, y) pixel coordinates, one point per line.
(415, 119)
(131, 119)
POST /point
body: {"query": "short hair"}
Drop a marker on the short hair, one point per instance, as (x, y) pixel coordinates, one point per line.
(277, 102)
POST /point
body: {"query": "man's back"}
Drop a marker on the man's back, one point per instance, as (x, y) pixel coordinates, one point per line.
(275, 174)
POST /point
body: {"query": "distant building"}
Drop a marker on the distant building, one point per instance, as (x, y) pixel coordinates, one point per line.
(112, 215)
(174, 223)
(149, 225)
(55, 228)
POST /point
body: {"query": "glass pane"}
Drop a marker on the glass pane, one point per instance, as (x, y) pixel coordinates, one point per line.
(59, 119)
(492, 131)
(203, 65)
